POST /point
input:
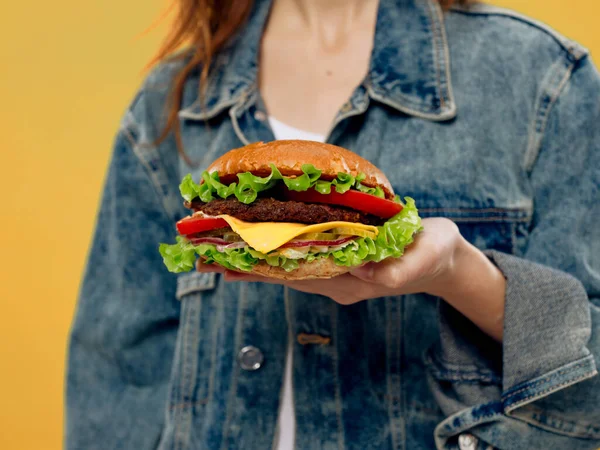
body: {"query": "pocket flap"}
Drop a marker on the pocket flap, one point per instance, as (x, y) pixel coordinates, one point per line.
(194, 282)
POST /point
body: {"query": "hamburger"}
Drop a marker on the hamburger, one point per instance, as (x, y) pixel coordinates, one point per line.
(291, 210)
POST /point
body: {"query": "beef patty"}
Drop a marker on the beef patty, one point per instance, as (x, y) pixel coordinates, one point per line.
(272, 210)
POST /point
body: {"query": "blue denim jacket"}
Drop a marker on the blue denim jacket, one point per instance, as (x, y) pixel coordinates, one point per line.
(483, 116)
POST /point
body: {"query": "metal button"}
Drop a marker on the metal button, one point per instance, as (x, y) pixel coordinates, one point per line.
(250, 358)
(260, 116)
(467, 442)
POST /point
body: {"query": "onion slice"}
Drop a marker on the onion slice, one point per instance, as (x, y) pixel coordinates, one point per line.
(330, 243)
(222, 244)
(209, 240)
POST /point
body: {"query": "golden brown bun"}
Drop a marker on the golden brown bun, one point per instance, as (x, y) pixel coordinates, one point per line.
(289, 156)
(321, 268)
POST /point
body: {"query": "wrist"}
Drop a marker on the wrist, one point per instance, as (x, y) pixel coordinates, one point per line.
(451, 278)
(475, 287)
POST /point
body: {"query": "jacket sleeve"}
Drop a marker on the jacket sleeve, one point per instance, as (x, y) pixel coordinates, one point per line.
(123, 335)
(539, 388)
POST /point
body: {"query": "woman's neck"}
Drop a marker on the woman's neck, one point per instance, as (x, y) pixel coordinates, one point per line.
(314, 54)
(329, 21)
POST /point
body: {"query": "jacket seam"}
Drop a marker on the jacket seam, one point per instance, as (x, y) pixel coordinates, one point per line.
(442, 370)
(576, 50)
(288, 319)
(190, 404)
(545, 102)
(479, 210)
(560, 373)
(410, 107)
(396, 395)
(389, 381)
(128, 132)
(209, 396)
(592, 431)
(547, 379)
(436, 32)
(513, 237)
(500, 215)
(552, 388)
(188, 378)
(486, 219)
(444, 74)
(336, 379)
(129, 135)
(235, 368)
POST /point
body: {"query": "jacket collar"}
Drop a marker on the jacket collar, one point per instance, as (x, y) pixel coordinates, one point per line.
(409, 71)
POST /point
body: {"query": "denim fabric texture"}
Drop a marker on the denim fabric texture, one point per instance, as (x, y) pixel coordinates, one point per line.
(482, 116)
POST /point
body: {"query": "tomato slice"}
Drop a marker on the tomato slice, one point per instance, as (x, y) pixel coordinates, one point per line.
(197, 224)
(357, 200)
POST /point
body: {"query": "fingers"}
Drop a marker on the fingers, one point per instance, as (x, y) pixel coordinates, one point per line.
(393, 272)
(231, 276)
(366, 272)
(390, 273)
(344, 289)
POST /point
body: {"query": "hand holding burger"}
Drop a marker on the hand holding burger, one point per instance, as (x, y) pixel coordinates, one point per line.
(440, 262)
(427, 266)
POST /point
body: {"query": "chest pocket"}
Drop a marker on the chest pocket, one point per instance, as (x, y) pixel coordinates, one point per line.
(486, 228)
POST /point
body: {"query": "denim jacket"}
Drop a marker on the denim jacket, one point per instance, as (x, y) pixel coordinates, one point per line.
(482, 116)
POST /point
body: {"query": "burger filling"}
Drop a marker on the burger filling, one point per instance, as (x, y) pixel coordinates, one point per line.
(273, 210)
(281, 220)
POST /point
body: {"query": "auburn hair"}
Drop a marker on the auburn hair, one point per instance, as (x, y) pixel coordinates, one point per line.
(200, 29)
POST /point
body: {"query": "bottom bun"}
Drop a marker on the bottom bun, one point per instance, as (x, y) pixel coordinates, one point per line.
(320, 268)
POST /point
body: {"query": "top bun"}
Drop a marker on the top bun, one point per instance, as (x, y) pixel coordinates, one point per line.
(289, 156)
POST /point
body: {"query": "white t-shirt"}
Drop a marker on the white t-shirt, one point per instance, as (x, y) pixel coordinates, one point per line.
(286, 421)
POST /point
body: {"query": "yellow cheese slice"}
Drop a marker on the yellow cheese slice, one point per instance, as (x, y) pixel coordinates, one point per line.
(267, 236)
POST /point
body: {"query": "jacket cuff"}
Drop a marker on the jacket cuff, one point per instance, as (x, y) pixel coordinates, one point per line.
(547, 329)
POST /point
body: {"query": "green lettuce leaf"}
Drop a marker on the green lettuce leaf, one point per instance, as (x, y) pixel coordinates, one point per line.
(394, 235)
(179, 257)
(189, 189)
(248, 186)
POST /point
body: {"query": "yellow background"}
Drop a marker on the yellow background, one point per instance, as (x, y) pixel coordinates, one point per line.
(68, 68)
